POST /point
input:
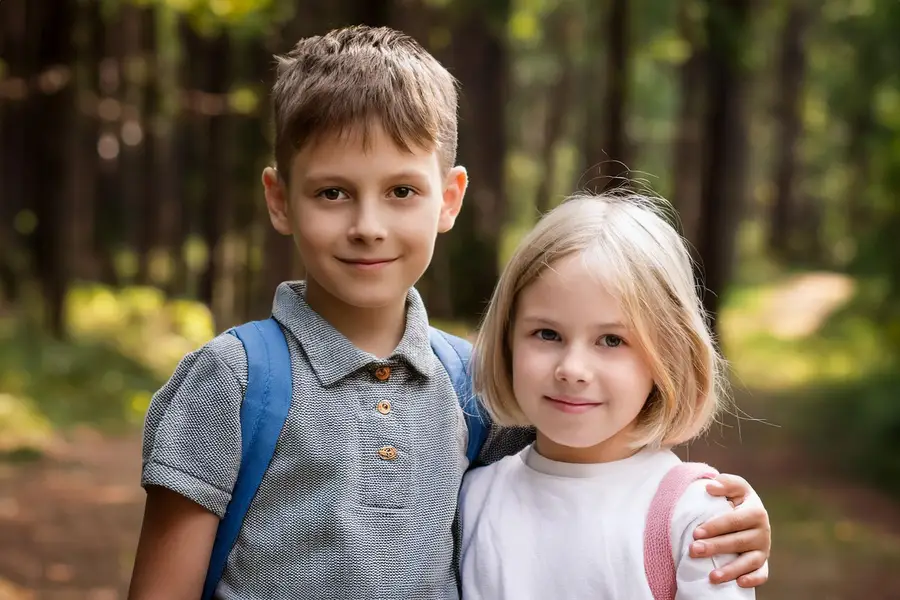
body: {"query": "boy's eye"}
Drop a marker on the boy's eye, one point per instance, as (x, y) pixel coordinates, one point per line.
(332, 194)
(611, 341)
(402, 192)
(547, 335)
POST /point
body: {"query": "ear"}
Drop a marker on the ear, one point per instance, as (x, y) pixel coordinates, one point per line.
(454, 189)
(277, 198)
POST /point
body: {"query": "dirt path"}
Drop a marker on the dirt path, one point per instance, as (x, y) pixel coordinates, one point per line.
(834, 538)
(69, 522)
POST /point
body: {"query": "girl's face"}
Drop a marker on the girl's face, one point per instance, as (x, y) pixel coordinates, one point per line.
(578, 374)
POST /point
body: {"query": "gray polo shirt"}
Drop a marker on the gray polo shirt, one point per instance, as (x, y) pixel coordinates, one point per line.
(360, 498)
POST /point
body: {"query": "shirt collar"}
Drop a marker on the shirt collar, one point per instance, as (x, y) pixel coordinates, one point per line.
(331, 355)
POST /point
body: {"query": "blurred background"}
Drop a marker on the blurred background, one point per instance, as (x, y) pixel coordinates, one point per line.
(132, 230)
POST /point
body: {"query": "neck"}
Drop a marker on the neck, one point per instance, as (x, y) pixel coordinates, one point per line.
(375, 330)
(612, 449)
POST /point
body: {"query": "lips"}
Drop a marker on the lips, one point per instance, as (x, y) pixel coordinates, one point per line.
(571, 404)
(367, 263)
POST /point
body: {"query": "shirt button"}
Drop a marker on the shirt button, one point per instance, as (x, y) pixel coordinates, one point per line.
(382, 373)
(387, 453)
(384, 407)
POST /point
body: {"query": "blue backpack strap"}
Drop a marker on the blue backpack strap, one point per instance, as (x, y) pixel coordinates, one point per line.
(263, 413)
(455, 353)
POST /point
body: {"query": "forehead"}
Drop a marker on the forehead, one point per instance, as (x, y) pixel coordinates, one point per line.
(361, 150)
(571, 287)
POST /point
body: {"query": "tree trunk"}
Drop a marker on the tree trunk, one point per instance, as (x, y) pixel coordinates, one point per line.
(687, 171)
(132, 171)
(480, 59)
(192, 159)
(725, 179)
(50, 116)
(146, 230)
(562, 36)
(615, 136)
(376, 13)
(17, 49)
(91, 40)
(791, 75)
(109, 218)
(859, 158)
(605, 145)
(218, 203)
(169, 135)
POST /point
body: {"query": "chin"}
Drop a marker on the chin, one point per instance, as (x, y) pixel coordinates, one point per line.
(374, 295)
(576, 439)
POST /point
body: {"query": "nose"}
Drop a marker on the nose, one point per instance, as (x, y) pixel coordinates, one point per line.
(368, 223)
(572, 367)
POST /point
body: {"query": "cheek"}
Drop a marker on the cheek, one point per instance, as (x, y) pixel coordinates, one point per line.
(634, 378)
(317, 227)
(528, 366)
(417, 222)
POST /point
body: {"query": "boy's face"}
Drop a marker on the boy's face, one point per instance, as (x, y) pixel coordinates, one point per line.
(364, 217)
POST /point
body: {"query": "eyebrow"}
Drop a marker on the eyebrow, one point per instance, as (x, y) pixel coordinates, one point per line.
(324, 177)
(536, 320)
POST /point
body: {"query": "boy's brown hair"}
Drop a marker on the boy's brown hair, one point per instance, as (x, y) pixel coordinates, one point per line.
(358, 75)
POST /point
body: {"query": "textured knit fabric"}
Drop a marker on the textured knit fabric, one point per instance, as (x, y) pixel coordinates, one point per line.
(535, 529)
(659, 563)
(333, 517)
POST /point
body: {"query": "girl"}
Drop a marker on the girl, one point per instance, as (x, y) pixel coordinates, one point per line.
(596, 336)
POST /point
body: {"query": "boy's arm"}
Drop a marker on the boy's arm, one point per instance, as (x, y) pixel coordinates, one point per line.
(174, 548)
(694, 508)
(503, 441)
(191, 456)
(745, 531)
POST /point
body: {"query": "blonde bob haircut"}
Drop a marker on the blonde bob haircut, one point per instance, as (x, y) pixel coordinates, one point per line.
(626, 240)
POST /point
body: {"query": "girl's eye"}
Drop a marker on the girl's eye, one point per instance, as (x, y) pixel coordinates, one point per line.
(611, 341)
(332, 194)
(547, 335)
(402, 192)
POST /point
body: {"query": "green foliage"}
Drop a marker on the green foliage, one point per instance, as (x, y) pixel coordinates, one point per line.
(243, 18)
(856, 424)
(122, 347)
(836, 385)
(139, 323)
(50, 382)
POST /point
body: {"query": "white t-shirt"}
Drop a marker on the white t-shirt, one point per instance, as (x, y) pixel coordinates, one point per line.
(537, 529)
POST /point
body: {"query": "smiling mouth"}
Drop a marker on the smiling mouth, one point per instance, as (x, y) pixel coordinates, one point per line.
(367, 263)
(570, 405)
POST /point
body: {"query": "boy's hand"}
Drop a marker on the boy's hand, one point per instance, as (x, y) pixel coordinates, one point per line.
(745, 531)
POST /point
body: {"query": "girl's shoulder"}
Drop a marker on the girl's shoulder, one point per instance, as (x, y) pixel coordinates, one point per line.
(695, 506)
(480, 480)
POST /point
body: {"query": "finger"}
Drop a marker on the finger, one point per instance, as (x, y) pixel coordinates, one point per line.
(733, 487)
(732, 543)
(746, 565)
(714, 488)
(756, 578)
(747, 517)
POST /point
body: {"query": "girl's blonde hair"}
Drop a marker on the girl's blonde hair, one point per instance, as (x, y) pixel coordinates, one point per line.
(627, 240)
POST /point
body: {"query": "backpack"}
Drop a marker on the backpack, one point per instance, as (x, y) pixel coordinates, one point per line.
(264, 411)
(659, 565)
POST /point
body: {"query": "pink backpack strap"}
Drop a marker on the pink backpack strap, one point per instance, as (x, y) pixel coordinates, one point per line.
(659, 565)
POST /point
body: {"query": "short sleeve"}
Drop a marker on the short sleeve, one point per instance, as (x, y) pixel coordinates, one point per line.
(695, 507)
(192, 433)
(504, 441)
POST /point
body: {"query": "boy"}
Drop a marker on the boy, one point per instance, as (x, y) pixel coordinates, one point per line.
(360, 497)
